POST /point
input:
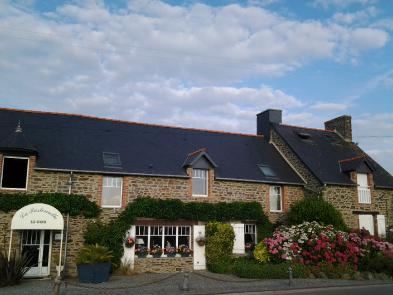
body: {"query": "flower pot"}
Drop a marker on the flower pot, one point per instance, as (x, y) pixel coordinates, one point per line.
(171, 254)
(185, 254)
(94, 273)
(157, 255)
(141, 255)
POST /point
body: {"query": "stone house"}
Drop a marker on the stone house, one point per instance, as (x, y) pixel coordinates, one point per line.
(335, 167)
(113, 162)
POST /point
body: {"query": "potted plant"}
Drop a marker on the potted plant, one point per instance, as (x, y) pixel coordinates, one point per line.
(156, 251)
(249, 247)
(141, 251)
(170, 251)
(93, 264)
(184, 251)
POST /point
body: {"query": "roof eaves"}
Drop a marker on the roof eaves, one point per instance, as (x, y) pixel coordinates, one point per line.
(260, 181)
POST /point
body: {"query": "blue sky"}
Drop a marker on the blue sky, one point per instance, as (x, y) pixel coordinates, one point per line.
(209, 64)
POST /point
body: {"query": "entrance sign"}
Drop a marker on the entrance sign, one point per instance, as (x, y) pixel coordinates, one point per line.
(37, 216)
(41, 217)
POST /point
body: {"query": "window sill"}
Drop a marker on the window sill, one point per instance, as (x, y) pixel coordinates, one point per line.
(111, 207)
(13, 189)
(200, 196)
(276, 211)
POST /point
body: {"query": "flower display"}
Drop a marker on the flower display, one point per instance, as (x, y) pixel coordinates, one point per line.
(129, 242)
(184, 250)
(170, 251)
(249, 246)
(156, 251)
(311, 243)
(141, 251)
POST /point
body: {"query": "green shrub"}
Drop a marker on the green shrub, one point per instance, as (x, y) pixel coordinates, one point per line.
(379, 263)
(72, 204)
(316, 209)
(91, 254)
(12, 271)
(219, 245)
(261, 253)
(249, 268)
(332, 271)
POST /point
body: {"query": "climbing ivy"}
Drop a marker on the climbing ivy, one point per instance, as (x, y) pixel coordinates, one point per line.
(112, 234)
(72, 204)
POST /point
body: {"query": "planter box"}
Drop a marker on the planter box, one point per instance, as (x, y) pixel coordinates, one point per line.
(94, 273)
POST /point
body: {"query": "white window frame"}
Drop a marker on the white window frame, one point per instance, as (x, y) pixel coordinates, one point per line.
(254, 231)
(121, 192)
(179, 228)
(207, 182)
(271, 190)
(27, 173)
(364, 192)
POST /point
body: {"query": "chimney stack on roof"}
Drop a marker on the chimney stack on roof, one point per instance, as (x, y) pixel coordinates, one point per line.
(342, 125)
(265, 119)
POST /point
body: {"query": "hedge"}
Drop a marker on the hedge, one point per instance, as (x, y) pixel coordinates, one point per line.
(112, 234)
(72, 204)
(316, 209)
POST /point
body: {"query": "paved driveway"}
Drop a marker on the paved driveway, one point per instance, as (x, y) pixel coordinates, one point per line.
(164, 284)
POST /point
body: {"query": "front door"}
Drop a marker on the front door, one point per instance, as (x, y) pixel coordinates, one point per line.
(367, 221)
(37, 243)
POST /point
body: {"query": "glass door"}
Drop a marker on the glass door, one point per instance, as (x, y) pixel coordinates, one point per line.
(37, 243)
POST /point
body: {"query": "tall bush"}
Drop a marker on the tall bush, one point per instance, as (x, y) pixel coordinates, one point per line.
(219, 244)
(316, 209)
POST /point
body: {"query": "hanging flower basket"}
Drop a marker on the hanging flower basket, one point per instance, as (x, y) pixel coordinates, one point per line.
(201, 240)
(129, 242)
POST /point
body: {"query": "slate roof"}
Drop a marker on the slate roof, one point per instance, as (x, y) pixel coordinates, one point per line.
(16, 141)
(322, 152)
(76, 143)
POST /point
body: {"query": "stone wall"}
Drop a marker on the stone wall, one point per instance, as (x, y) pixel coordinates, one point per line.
(345, 199)
(163, 265)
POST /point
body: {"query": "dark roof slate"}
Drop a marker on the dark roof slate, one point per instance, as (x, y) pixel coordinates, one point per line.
(322, 152)
(77, 143)
(16, 141)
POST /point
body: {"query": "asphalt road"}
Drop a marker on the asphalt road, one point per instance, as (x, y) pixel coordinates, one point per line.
(347, 290)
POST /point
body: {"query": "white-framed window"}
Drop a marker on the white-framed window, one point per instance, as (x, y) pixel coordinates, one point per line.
(275, 199)
(364, 193)
(15, 173)
(111, 192)
(163, 236)
(200, 182)
(250, 233)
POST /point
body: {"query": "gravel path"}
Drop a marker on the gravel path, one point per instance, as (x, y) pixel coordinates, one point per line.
(164, 284)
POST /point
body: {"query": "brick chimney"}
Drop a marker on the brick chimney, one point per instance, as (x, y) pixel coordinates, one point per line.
(265, 119)
(342, 125)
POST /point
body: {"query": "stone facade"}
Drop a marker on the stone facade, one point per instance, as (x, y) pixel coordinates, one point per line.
(344, 198)
(90, 185)
(163, 265)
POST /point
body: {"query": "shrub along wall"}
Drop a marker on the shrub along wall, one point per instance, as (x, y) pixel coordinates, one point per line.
(316, 209)
(112, 234)
(72, 204)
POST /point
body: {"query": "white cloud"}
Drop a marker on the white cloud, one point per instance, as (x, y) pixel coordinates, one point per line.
(341, 3)
(385, 24)
(320, 106)
(358, 16)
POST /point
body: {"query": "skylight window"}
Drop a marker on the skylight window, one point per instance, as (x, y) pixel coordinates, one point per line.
(267, 171)
(111, 159)
(304, 135)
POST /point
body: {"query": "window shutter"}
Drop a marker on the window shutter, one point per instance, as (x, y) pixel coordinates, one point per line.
(238, 245)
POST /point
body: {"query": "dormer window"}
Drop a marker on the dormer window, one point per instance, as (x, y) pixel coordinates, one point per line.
(200, 182)
(14, 173)
(364, 193)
